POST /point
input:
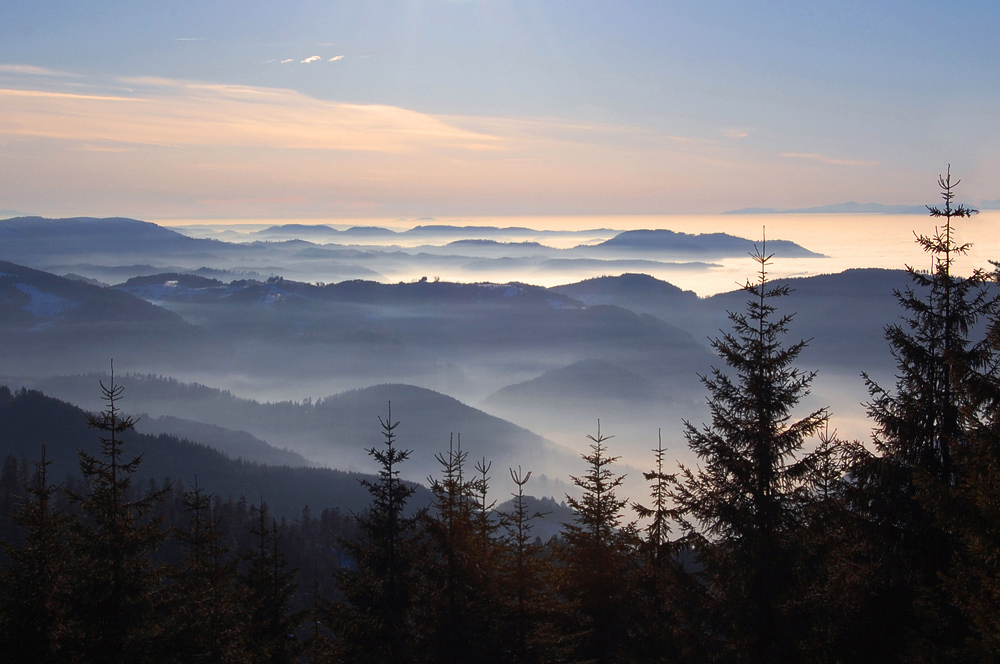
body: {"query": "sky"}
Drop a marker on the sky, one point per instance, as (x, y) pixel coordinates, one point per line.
(236, 109)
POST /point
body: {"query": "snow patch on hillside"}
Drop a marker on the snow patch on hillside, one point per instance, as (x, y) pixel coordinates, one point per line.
(45, 305)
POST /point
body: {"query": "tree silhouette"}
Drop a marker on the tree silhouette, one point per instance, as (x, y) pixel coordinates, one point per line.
(34, 619)
(205, 617)
(529, 624)
(922, 422)
(922, 433)
(268, 590)
(114, 583)
(374, 623)
(739, 507)
(595, 559)
(662, 584)
(458, 594)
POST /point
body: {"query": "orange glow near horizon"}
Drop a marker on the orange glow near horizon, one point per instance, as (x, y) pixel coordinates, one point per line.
(170, 149)
(847, 241)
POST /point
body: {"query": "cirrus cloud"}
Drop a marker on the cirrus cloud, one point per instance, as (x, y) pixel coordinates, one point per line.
(176, 113)
(311, 58)
(189, 147)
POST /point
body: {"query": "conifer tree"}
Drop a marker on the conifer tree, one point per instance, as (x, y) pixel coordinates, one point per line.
(375, 621)
(33, 585)
(204, 608)
(971, 517)
(486, 525)
(829, 606)
(921, 435)
(921, 423)
(739, 507)
(526, 574)
(268, 588)
(971, 513)
(660, 577)
(114, 591)
(595, 558)
(458, 600)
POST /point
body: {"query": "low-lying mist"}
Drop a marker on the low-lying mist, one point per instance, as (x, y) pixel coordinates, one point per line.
(296, 357)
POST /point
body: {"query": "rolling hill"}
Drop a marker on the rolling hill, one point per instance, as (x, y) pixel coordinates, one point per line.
(29, 420)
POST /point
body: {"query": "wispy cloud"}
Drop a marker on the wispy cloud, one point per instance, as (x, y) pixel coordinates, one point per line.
(31, 70)
(336, 57)
(189, 39)
(736, 132)
(824, 159)
(170, 112)
(311, 58)
(10, 93)
(187, 145)
(287, 60)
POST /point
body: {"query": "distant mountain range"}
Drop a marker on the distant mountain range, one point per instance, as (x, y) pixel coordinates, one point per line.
(522, 372)
(108, 251)
(80, 236)
(544, 363)
(335, 431)
(708, 244)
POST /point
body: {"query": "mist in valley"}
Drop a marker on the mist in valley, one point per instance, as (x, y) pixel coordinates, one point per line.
(296, 337)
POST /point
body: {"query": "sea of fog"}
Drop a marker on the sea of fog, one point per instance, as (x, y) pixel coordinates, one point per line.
(846, 241)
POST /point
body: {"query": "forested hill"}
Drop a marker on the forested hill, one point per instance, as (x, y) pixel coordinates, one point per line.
(29, 419)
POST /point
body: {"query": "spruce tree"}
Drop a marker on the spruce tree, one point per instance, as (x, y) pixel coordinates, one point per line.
(828, 607)
(374, 623)
(921, 436)
(921, 423)
(596, 559)
(205, 621)
(661, 581)
(529, 608)
(268, 589)
(114, 590)
(34, 616)
(739, 507)
(458, 600)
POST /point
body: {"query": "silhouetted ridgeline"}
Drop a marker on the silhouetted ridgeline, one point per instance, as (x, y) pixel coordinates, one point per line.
(29, 420)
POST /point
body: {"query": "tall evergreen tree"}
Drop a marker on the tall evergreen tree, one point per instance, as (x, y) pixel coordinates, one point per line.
(114, 582)
(529, 607)
(375, 621)
(34, 619)
(739, 507)
(205, 620)
(596, 560)
(921, 423)
(922, 429)
(268, 588)
(661, 581)
(829, 605)
(971, 517)
(458, 599)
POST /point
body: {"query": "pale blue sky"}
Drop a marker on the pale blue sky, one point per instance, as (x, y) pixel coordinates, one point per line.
(492, 107)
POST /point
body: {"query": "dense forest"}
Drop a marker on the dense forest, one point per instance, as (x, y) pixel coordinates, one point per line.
(783, 543)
